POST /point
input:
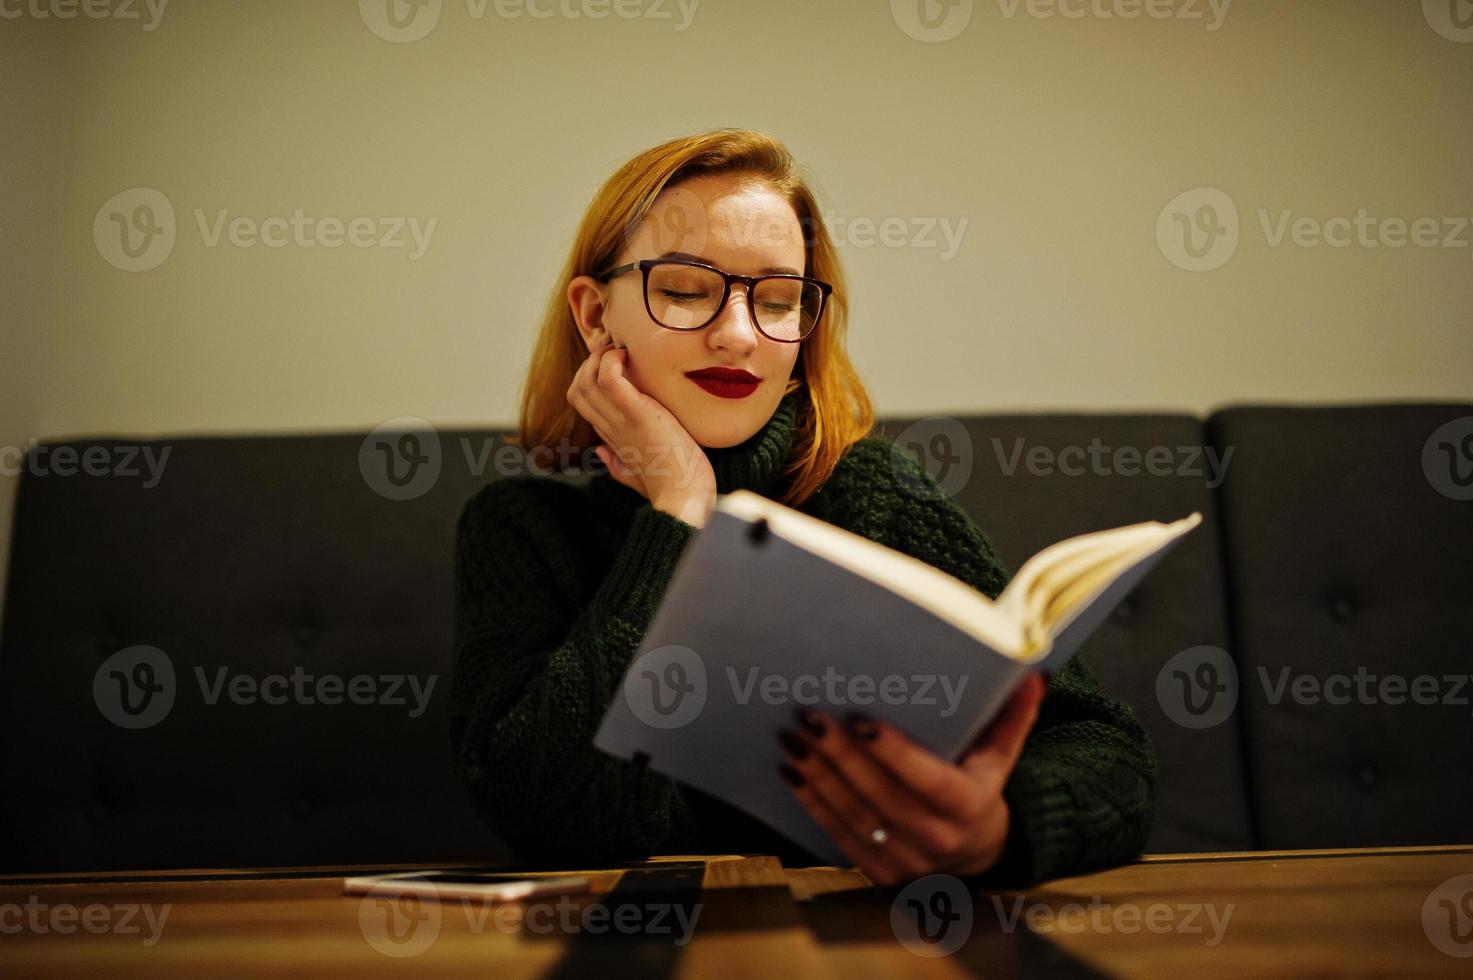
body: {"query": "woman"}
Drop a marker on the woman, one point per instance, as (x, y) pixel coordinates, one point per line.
(696, 340)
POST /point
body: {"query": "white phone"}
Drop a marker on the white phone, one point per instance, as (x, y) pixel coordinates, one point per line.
(485, 886)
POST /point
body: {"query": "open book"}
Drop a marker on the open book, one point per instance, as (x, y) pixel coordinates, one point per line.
(769, 608)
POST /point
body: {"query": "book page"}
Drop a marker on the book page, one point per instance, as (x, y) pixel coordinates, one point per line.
(945, 596)
(1051, 588)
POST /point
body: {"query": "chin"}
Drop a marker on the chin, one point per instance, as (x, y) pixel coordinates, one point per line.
(722, 436)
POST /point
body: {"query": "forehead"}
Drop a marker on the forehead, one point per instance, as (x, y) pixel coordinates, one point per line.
(739, 224)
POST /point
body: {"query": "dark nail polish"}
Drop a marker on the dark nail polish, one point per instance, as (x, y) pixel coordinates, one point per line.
(810, 720)
(861, 727)
(789, 774)
(794, 745)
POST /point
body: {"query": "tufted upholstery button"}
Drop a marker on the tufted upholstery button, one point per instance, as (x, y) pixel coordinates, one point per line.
(301, 806)
(1124, 612)
(306, 633)
(108, 641)
(1341, 607)
(1366, 777)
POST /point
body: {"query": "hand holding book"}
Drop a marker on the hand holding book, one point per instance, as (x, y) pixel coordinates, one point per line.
(897, 810)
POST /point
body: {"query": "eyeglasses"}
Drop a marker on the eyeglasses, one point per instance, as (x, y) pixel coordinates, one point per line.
(683, 295)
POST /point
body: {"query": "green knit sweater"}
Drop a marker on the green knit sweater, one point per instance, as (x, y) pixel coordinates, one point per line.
(556, 584)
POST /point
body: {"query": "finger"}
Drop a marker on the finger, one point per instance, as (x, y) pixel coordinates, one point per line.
(880, 864)
(578, 397)
(994, 757)
(944, 789)
(585, 378)
(921, 824)
(607, 388)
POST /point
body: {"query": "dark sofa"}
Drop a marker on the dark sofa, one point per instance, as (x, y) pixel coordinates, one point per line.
(1338, 545)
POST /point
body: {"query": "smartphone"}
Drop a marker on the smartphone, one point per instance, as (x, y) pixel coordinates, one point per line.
(464, 884)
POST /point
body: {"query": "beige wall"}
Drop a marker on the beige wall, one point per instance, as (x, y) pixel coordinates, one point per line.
(1058, 141)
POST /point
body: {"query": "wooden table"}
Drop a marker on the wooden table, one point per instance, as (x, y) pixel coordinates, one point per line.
(1386, 911)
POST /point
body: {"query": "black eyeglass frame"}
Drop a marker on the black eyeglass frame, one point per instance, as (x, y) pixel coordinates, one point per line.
(645, 265)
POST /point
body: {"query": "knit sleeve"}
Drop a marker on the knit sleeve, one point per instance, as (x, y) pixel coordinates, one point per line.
(1082, 794)
(535, 670)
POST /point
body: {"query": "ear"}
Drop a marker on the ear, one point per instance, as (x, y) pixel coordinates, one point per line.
(586, 299)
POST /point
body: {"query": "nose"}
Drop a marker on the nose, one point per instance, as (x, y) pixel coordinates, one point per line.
(733, 328)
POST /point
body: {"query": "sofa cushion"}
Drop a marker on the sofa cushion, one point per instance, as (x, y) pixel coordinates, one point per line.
(262, 558)
(1350, 554)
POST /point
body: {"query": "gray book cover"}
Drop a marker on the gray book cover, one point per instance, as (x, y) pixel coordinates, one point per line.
(752, 626)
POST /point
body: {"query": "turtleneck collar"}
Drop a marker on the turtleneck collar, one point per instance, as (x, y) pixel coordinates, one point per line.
(755, 464)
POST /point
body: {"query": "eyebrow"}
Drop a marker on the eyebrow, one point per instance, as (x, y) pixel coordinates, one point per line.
(772, 270)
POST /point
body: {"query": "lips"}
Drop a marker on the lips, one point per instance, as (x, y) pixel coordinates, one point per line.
(725, 382)
(724, 374)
